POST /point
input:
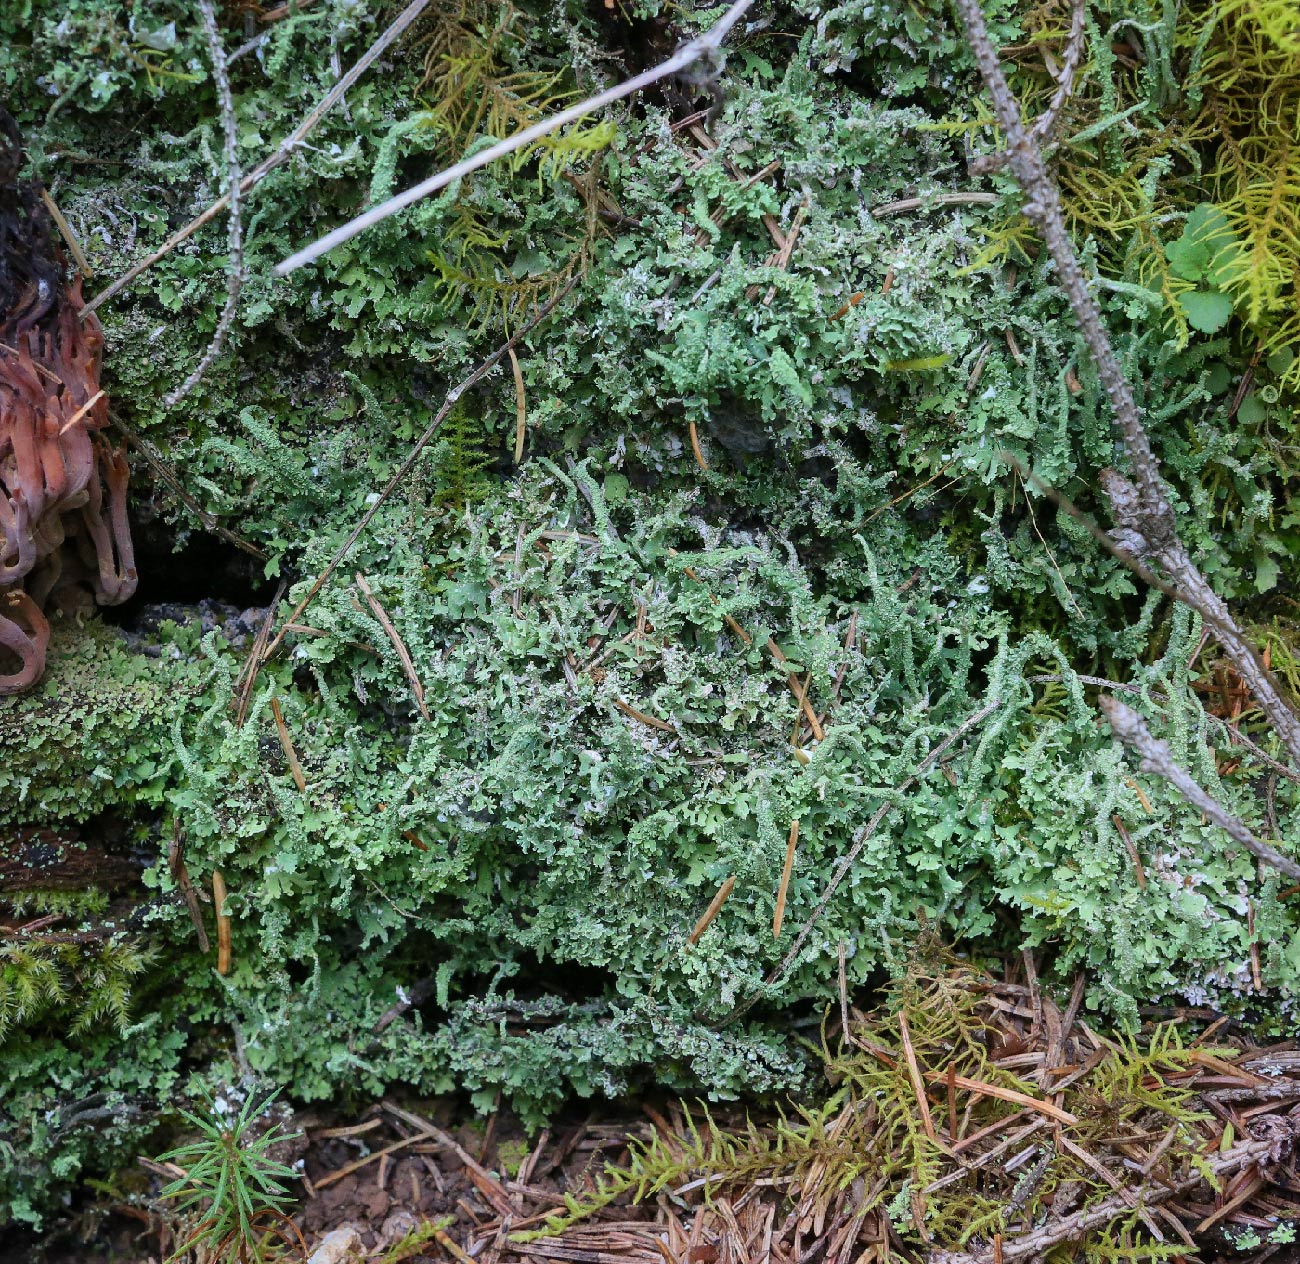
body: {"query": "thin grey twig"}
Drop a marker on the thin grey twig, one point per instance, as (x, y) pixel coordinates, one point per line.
(481, 371)
(1131, 729)
(273, 160)
(1234, 735)
(704, 48)
(1038, 1241)
(1145, 518)
(1042, 129)
(235, 237)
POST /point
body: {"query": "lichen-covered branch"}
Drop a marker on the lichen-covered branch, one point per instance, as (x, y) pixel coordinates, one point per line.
(1131, 729)
(1141, 503)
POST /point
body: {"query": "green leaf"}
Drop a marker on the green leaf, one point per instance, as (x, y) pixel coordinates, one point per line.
(1206, 310)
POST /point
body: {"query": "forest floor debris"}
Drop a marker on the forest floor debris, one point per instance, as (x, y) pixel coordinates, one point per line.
(969, 1120)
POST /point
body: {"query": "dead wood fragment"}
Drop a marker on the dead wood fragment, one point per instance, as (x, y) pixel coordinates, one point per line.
(1145, 519)
(63, 523)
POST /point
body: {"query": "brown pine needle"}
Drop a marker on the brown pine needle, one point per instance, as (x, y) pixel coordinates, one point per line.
(521, 405)
(1142, 799)
(712, 911)
(1138, 867)
(403, 654)
(65, 231)
(223, 922)
(783, 890)
(793, 681)
(914, 1073)
(643, 718)
(695, 447)
(287, 742)
(1005, 1095)
(81, 412)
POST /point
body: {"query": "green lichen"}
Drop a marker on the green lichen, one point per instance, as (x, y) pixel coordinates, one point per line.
(531, 852)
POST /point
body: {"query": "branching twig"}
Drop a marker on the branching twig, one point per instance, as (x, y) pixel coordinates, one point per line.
(704, 48)
(481, 371)
(1131, 729)
(235, 238)
(1042, 129)
(1147, 527)
(272, 161)
(1057, 1229)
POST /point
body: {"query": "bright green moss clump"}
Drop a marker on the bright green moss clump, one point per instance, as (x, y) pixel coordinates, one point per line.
(602, 749)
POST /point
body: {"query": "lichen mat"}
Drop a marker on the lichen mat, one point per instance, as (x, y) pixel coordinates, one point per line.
(63, 523)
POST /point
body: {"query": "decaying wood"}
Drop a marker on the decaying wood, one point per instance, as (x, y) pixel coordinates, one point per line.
(33, 859)
(63, 523)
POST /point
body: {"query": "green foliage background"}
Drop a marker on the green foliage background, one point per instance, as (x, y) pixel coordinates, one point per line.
(530, 851)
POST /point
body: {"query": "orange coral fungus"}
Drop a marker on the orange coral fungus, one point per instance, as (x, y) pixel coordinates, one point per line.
(63, 524)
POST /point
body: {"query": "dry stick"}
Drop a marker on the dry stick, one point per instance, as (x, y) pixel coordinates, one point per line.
(65, 231)
(783, 890)
(1057, 1229)
(235, 236)
(295, 768)
(704, 48)
(1065, 84)
(274, 160)
(859, 842)
(1131, 729)
(1141, 507)
(453, 396)
(168, 475)
(521, 407)
(403, 654)
(942, 199)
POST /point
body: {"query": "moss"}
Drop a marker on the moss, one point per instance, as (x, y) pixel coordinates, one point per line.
(533, 854)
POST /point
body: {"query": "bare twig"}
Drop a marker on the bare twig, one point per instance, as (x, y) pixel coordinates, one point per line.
(1035, 1244)
(235, 235)
(273, 160)
(65, 231)
(705, 49)
(904, 205)
(1042, 129)
(453, 396)
(1147, 526)
(1130, 728)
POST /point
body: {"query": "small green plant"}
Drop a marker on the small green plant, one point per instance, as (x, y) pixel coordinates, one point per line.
(235, 1186)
